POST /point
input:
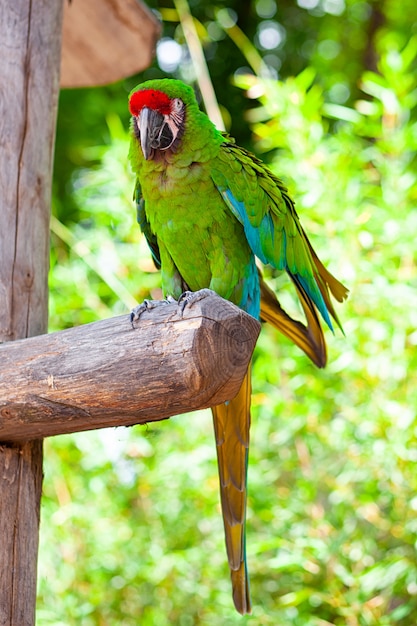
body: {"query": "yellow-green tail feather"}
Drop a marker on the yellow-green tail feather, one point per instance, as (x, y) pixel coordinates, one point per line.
(231, 428)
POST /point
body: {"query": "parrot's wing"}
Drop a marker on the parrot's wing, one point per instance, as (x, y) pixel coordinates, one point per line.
(145, 227)
(260, 201)
(309, 338)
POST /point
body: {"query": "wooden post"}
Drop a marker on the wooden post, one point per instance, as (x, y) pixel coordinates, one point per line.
(30, 45)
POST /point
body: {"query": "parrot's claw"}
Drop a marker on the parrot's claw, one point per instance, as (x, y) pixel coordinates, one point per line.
(188, 298)
(147, 305)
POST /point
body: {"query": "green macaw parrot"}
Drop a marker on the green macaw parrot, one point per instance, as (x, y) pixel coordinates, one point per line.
(207, 208)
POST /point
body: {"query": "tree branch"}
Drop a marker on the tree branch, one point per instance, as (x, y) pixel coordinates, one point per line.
(109, 374)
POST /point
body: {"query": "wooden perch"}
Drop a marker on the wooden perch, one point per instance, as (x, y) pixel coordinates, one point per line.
(109, 374)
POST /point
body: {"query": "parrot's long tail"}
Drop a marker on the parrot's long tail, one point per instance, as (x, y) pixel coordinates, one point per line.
(231, 429)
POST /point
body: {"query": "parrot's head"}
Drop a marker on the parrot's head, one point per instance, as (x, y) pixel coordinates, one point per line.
(158, 109)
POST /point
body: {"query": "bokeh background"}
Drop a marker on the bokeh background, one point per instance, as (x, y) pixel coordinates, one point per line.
(325, 91)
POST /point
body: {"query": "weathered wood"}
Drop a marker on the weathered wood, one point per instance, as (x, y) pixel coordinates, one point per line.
(109, 374)
(30, 39)
(21, 480)
(106, 40)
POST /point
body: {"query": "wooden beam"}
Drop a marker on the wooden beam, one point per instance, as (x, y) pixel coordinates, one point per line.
(30, 44)
(109, 374)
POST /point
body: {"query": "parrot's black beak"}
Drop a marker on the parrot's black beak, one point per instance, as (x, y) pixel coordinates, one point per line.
(155, 132)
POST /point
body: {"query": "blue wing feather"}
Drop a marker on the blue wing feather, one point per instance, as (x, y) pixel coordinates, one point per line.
(251, 295)
(261, 239)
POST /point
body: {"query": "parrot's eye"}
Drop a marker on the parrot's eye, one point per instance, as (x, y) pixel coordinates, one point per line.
(177, 105)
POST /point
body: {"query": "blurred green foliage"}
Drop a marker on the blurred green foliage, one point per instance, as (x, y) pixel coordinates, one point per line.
(131, 526)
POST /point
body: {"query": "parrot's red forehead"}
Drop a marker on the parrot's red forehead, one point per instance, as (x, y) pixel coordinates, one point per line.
(150, 98)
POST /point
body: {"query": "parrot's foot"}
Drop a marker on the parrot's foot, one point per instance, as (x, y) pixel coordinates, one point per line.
(188, 298)
(147, 305)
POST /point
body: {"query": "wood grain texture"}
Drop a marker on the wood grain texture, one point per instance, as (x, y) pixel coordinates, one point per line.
(30, 41)
(109, 374)
(21, 485)
(29, 84)
(106, 40)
